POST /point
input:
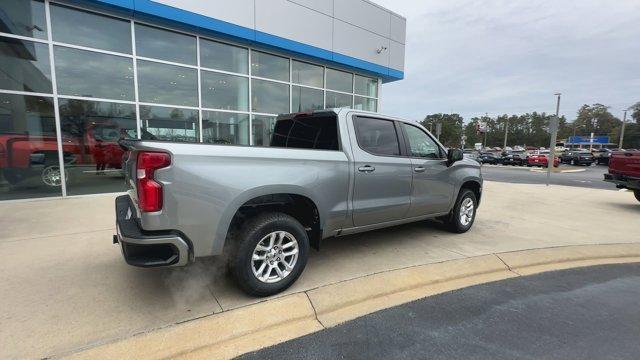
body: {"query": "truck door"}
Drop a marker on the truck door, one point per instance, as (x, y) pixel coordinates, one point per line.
(432, 187)
(382, 188)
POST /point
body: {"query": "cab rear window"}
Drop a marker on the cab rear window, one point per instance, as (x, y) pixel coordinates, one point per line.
(318, 131)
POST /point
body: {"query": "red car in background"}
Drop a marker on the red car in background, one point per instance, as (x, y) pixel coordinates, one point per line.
(541, 160)
(624, 171)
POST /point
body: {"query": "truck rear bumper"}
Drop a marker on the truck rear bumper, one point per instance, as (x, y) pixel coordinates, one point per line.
(147, 248)
(623, 182)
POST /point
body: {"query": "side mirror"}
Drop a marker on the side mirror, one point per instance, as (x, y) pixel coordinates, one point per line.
(454, 155)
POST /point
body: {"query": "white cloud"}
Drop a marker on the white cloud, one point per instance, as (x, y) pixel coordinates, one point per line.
(501, 56)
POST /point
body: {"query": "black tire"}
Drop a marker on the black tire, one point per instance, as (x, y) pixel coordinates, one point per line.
(637, 194)
(453, 222)
(14, 176)
(246, 241)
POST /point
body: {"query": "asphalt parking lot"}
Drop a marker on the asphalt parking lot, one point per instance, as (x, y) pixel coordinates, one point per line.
(580, 176)
(571, 314)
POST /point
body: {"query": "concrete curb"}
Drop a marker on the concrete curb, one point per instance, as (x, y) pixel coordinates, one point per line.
(220, 336)
(276, 320)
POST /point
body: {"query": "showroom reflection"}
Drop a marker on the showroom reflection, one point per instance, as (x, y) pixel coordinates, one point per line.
(90, 134)
(97, 57)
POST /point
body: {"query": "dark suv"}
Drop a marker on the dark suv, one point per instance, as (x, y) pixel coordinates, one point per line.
(514, 158)
(577, 157)
(489, 158)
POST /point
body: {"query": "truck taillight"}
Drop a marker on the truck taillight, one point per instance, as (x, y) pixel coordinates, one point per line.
(149, 190)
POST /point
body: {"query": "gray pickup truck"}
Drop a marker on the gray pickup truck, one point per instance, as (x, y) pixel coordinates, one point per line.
(326, 173)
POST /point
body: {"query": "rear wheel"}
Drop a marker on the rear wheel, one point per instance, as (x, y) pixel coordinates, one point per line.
(463, 214)
(269, 254)
(637, 194)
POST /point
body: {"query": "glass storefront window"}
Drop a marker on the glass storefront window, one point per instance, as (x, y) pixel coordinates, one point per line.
(23, 17)
(97, 94)
(363, 103)
(169, 124)
(165, 45)
(83, 28)
(29, 165)
(167, 84)
(90, 74)
(269, 66)
(225, 128)
(269, 97)
(339, 80)
(307, 74)
(262, 129)
(90, 133)
(304, 99)
(366, 86)
(24, 66)
(338, 100)
(218, 56)
(222, 91)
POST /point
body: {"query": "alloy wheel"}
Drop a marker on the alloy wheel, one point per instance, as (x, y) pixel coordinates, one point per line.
(274, 257)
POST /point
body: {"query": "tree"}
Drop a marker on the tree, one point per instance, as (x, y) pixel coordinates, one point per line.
(451, 127)
(595, 119)
(635, 112)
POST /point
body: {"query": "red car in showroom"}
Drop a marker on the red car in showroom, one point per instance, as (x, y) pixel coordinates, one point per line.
(541, 160)
(24, 156)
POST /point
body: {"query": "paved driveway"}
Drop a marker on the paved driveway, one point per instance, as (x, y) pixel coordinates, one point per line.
(585, 313)
(65, 285)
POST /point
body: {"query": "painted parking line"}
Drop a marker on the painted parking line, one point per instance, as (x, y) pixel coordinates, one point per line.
(556, 171)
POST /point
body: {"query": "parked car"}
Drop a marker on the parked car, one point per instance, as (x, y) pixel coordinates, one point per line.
(518, 158)
(472, 156)
(327, 173)
(577, 157)
(602, 156)
(624, 171)
(542, 159)
(489, 158)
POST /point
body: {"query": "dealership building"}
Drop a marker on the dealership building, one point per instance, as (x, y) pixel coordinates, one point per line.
(76, 76)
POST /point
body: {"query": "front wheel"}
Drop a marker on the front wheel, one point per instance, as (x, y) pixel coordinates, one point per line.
(463, 214)
(637, 194)
(52, 176)
(269, 254)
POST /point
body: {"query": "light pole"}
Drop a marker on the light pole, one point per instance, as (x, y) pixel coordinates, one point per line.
(506, 132)
(486, 115)
(553, 129)
(624, 121)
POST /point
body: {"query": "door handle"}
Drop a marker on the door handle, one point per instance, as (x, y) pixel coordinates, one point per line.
(419, 169)
(366, 169)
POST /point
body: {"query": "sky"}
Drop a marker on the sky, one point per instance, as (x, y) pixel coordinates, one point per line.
(511, 56)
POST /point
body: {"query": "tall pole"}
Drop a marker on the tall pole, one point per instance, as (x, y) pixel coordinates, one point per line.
(553, 128)
(486, 115)
(506, 132)
(624, 121)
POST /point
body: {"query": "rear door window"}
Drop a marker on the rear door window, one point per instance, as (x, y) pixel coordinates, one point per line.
(377, 136)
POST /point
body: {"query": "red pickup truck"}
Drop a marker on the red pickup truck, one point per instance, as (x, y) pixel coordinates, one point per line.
(24, 156)
(624, 171)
